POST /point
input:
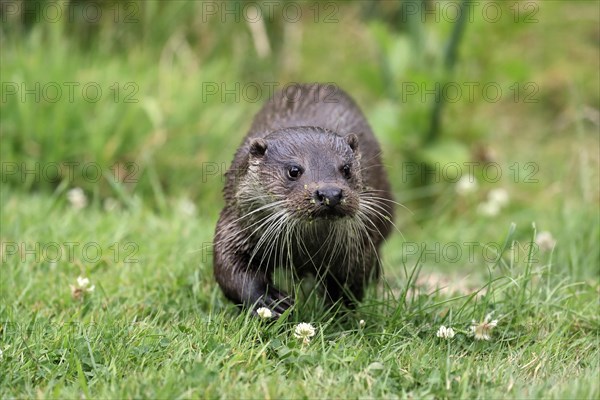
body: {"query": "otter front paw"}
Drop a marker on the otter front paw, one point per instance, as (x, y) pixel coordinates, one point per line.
(275, 300)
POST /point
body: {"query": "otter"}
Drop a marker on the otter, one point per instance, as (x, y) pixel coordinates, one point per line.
(306, 192)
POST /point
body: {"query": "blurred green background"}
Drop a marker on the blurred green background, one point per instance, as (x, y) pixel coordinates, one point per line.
(146, 102)
(178, 87)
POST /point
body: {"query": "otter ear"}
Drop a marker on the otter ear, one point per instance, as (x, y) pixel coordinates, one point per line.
(258, 147)
(352, 141)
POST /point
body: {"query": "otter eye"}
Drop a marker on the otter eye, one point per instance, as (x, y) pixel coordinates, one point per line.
(294, 172)
(346, 171)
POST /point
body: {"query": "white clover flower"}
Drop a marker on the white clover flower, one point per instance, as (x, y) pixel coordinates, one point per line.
(498, 196)
(304, 331)
(186, 207)
(496, 199)
(77, 198)
(445, 333)
(82, 288)
(488, 209)
(482, 330)
(264, 313)
(545, 241)
(361, 323)
(465, 185)
(82, 282)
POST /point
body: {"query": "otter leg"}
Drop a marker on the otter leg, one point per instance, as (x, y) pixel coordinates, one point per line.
(242, 282)
(350, 292)
(351, 288)
(251, 289)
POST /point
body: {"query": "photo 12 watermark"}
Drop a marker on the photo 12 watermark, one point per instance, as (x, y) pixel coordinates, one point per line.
(69, 91)
(253, 92)
(53, 252)
(453, 172)
(468, 252)
(453, 92)
(326, 12)
(71, 171)
(489, 11)
(91, 12)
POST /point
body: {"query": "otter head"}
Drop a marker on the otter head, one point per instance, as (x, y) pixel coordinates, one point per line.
(313, 173)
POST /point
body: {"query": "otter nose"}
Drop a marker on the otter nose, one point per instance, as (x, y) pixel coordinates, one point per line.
(329, 196)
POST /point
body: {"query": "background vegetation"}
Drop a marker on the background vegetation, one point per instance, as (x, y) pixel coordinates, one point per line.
(149, 151)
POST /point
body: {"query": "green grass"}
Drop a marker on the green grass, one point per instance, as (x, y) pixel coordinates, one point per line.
(157, 326)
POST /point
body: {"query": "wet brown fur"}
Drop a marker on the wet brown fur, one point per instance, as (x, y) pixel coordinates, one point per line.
(270, 220)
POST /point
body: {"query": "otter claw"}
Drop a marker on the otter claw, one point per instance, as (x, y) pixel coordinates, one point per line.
(276, 301)
(281, 297)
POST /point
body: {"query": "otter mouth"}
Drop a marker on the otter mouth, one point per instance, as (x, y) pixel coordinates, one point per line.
(330, 213)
